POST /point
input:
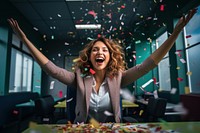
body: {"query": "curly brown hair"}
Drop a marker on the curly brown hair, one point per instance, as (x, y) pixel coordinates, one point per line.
(117, 57)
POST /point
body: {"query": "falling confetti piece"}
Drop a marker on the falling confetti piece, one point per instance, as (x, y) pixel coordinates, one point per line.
(141, 112)
(108, 113)
(188, 36)
(182, 60)
(179, 79)
(177, 68)
(162, 7)
(189, 73)
(76, 60)
(52, 85)
(60, 94)
(15, 112)
(92, 13)
(123, 6)
(187, 90)
(155, 93)
(127, 95)
(173, 91)
(94, 122)
(69, 100)
(147, 83)
(92, 71)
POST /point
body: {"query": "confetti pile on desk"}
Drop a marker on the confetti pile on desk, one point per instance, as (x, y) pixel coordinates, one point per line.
(107, 127)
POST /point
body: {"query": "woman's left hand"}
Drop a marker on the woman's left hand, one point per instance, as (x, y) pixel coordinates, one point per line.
(184, 20)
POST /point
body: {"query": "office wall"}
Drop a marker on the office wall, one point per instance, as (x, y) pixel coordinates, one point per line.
(143, 51)
(56, 51)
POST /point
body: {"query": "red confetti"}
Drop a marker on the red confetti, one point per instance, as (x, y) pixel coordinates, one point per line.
(92, 13)
(92, 71)
(180, 79)
(99, 35)
(60, 94)
(161, 7)
(15, 112)
(123, 6)
(154, 80)
(188, 36)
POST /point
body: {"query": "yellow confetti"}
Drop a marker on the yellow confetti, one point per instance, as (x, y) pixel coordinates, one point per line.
(94, 122)
(189, 73)
(77, 59)
(141, 112)
(177, 68)
(187, 90)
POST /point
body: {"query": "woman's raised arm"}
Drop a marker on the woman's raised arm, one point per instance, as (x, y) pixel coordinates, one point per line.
(166, 46)
(38, 56)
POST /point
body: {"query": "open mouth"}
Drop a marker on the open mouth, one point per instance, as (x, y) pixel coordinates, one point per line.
(99, 60)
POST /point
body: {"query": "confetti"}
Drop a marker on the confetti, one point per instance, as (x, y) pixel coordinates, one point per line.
(126, 94)
(141, 112)
(173, 91)
(187, 90)
(94, 122)
(69, 100)
(147, 83)
(92, 13)
(179, 79)
(155, 93)
(92, 71)
(52, 85)
(60, 94)
(182, 60)
(189, 73)
(162, 7)
(188, 36)
(15, 112)
(180, 108)
(108, 113)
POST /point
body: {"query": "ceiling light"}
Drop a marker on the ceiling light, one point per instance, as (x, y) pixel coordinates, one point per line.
(88, 26)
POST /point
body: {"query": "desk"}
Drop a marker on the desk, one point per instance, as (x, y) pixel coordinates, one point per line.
(125, 104)
(128, 104)
(26, 104)
(61, 104)
(170, 127)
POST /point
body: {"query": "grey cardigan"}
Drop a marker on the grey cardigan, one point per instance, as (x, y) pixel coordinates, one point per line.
(84, 85)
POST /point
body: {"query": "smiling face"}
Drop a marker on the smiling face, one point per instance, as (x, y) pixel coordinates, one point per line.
(99, 56)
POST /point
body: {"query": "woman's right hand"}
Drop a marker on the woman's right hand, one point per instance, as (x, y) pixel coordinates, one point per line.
(14, 24)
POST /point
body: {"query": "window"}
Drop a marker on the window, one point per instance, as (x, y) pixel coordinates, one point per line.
(192, 42)
(21, 67)
(163, 66)
(20, 72)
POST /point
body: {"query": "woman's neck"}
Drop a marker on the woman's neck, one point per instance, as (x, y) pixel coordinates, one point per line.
(99, 78)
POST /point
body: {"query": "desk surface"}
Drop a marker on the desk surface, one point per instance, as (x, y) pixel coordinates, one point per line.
(61, 104)
(125, 104)
(26, 104)
(128, 104)
(170, 127)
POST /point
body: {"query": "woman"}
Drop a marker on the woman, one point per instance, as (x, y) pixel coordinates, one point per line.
(100, 73)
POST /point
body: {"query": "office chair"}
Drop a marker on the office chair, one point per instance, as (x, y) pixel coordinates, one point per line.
(44, 109)
(154, 110)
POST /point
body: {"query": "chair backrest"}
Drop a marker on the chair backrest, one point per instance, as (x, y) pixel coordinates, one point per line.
(71, 103)
(156, 108)
(44, 106)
